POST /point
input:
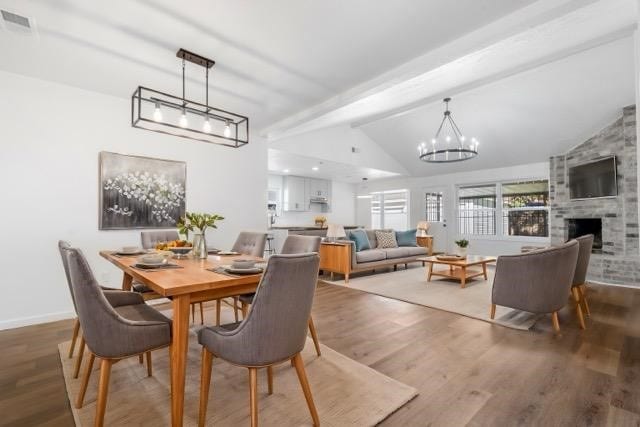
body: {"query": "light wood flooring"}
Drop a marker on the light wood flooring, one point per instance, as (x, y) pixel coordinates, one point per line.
(468, 372)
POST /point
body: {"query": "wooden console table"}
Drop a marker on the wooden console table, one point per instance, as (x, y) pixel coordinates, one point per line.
(335, 257)
(426, 242)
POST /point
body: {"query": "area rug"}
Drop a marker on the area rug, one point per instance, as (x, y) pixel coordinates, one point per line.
(345, 392)
(411, 285)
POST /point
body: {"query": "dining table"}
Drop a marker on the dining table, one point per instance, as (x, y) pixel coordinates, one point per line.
(186, 281)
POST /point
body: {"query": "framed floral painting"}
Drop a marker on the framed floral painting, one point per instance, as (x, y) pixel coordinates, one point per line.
(140, 192)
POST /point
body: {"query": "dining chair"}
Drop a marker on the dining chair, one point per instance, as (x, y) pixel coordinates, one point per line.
(149, 240)
(62, 246)
(274, 331)
(247, 243)
(585, 245)
(293, 245)
(537, 282)
(124, 328)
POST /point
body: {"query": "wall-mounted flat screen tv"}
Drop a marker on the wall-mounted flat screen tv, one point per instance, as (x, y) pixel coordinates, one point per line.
(593, 179)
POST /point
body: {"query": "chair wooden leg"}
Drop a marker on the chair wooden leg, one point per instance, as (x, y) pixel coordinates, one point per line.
(193, 313)
(556, 322)
(576, 297)
(85, 381)
(270, 379)
(76, 371)
(149, 368)
(218, 309)
(76, 329)
(302, 376)
(236, 300)
(201, 314)
(140, 359)
(583, 297)
(493, 311)
(253, 395)
(103, 392)
(314, 336)
(245, 310)
(205, 382)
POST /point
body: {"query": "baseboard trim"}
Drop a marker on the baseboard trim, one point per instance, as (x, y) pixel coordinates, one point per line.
(619, 285)
(35, 320)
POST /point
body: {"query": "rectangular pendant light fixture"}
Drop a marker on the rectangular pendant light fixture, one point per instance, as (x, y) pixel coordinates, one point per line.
(161, 112)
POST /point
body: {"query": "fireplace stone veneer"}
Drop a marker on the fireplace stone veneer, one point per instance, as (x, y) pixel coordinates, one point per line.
(618, 261)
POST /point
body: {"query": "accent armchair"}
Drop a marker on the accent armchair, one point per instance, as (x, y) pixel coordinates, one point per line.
(274, 331)
(537, 282)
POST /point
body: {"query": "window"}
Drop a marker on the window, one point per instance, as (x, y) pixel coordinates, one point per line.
(477, 210)
(525, 208)
(434, 211)
(389, 209)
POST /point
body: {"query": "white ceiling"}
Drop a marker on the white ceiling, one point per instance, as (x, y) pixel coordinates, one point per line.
(273, 57)
(287, 163)
(524, 118)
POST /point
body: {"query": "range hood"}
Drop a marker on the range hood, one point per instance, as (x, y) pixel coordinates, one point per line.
(319, 200)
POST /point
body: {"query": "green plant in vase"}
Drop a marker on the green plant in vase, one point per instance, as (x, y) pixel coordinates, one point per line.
(198, 223)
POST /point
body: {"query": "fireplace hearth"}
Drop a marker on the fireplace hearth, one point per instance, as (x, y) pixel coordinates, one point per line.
(577, 227)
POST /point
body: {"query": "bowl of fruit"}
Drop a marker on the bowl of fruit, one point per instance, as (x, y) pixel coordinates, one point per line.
(180, 248)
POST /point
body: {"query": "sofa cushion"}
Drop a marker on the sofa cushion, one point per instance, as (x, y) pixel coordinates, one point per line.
(406, 238)
(359, 237)
(415, 251)
(370, 255)
(371, 235)
(393, 253)
(386, 239)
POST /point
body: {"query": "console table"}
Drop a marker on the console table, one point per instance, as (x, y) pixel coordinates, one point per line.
(335, 257)
(426, 242)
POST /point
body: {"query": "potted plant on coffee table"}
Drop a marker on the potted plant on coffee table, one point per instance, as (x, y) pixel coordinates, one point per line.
(462, 246)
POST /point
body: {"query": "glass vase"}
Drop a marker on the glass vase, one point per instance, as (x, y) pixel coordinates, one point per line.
(199, 246)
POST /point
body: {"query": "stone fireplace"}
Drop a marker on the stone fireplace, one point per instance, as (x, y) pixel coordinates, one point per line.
(615, 219)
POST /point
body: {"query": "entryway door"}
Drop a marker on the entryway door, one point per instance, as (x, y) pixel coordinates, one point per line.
(435, 209)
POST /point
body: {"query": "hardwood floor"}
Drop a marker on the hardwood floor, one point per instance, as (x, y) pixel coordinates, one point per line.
(468, 372)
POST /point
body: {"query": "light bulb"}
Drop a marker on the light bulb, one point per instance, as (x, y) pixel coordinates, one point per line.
(315, 168)
(227, 130)
(157, 114)
(462, 138)
(183, 120)
(206, 127)
(448, 138)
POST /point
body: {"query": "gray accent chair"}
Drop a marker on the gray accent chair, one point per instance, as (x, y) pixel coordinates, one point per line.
(149, 240)
(274, 331)
(537, 281)
(585, 244)
(294, 244)
(113, 331)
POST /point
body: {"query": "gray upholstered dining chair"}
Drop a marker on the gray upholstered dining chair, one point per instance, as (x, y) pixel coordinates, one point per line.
(247, 243)
(62, 246)
(585, 244)
(537, 281)
(293, 245)
(113, 331)
(274, 331)
(149, 240)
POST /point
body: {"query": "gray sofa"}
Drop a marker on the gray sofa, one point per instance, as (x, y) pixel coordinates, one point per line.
(373, 258)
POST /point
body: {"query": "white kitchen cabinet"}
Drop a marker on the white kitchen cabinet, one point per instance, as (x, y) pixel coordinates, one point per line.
(317, 188)
(295, 194)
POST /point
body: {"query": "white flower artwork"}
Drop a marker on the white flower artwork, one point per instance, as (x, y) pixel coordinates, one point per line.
(140, 192)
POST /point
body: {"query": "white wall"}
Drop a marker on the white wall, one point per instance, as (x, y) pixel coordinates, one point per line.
(343, 208)
(486, 245)
(50, 137)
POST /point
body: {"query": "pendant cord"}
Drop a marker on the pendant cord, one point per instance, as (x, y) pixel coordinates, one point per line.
(207, 88)
(183, 93)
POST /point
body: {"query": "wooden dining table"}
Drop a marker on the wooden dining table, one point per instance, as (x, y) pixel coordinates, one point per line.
(191, 282)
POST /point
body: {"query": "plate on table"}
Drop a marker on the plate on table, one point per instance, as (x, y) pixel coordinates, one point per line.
(228, 253)
(130, 252)
(150, 265)
(252, 270)
(213, 251)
